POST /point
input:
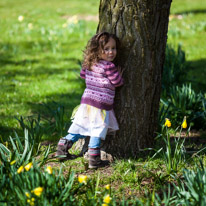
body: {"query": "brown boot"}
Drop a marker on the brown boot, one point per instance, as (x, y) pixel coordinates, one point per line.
(62, 149)
(95, 159)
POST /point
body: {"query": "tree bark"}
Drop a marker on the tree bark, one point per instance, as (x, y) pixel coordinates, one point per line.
(142, 27)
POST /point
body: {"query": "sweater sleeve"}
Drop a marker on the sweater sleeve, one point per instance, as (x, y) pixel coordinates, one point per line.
(82, 73)
(113, 75)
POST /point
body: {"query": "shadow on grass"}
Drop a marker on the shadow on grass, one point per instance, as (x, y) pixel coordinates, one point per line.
(56, 113)
(41, 68)
(46, 110)
(10, 51)
(6, 132)
(197, 75)
(67, 100)
(194, 11)
(37, 70)
(6, 60)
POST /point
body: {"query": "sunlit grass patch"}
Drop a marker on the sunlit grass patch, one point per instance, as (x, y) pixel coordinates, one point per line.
(40, 60)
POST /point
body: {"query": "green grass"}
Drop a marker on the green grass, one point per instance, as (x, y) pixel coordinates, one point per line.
(41, 64)
(129, 178)
(189, 30)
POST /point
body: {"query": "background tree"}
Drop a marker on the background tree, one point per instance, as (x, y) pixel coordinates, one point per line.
(142, 27)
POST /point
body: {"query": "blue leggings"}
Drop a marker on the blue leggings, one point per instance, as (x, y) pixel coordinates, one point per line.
(94, 142)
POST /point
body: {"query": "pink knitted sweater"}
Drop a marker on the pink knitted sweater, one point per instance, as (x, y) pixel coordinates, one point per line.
(100, 85)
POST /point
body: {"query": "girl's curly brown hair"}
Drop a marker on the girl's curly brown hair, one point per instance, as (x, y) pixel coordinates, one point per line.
(95, 45)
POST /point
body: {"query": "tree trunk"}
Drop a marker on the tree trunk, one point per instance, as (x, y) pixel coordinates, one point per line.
(142, 27)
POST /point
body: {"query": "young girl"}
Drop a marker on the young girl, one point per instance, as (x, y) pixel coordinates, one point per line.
(95, 117)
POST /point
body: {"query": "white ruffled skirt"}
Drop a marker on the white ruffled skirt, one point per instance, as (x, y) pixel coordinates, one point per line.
(91, 121)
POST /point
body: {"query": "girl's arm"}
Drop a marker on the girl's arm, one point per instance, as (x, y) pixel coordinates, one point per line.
(82, 73)
(114, 76)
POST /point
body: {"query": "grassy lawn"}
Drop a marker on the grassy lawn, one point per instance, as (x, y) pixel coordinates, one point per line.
(188, 27)
(40, 56)
(40, 61)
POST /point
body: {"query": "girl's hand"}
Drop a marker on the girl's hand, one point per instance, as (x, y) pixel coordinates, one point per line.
(120, 70)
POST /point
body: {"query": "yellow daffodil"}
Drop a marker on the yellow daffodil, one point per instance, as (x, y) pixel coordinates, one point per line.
(28, 166)
(20, 169)
(21, 18)
(104, 204)
(27, 194)
(184, 124)
(32, 203)
(30, 26)
(107, 186)
(107, 199)
(73, 20)
(167, 123)
(64, 25)
(37, 191)
(13, 162)
(49, 170)
(82, 179)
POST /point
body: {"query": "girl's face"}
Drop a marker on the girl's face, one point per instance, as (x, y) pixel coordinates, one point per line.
(109, 52)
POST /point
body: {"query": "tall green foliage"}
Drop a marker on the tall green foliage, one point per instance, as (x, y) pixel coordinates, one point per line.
(24, 151)
(18, 187)
(178, 99)
(189, 190)
(174, 71)
(184, 101)
(172, 152)
(192, 189)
